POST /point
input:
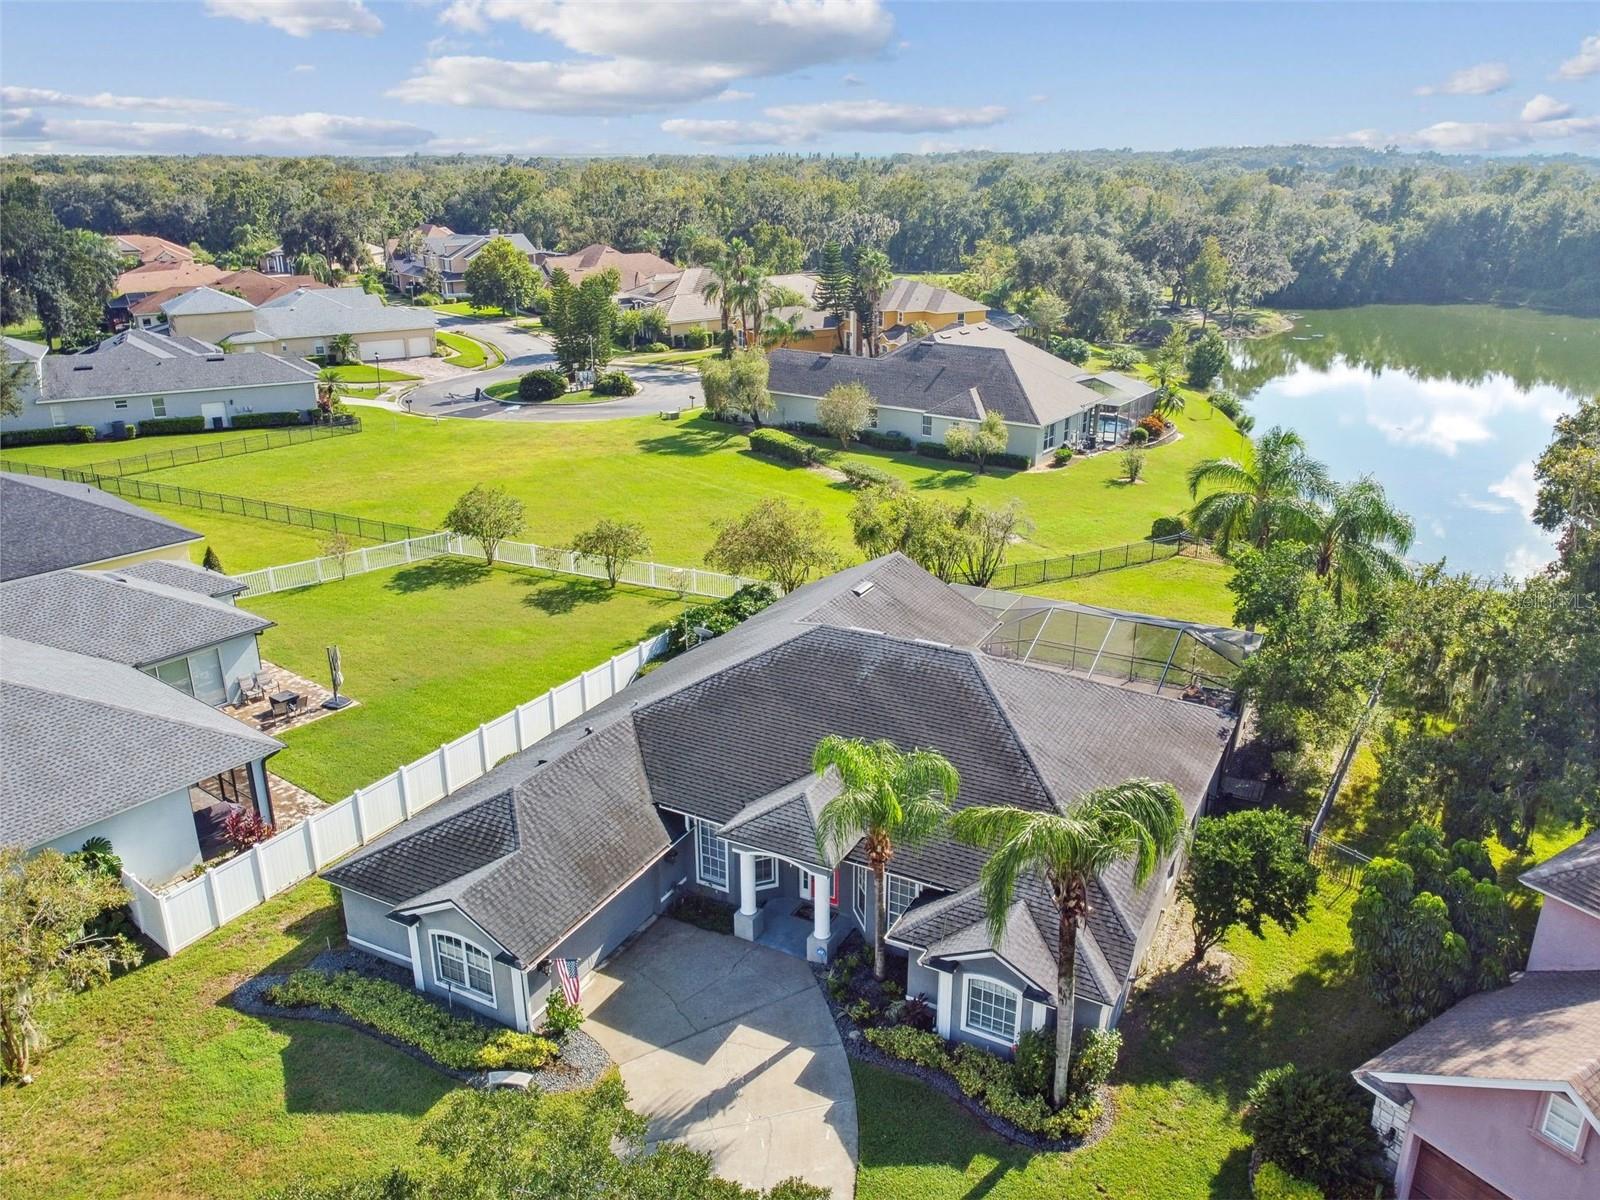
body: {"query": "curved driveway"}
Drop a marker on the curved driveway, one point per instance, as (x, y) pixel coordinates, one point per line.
(729, 1047)
(660, 388)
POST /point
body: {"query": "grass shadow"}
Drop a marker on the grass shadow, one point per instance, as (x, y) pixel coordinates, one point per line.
(437, 573)
(555, 596)
(697, 437)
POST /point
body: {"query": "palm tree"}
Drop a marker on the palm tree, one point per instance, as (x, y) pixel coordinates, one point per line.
(890, 796)
(342, 347)
(1361, 537)
(725, 272)
(314, 265)
(1138, 819)
(1169, 402)
(873, 274)
(780, 330)
(1270, 496)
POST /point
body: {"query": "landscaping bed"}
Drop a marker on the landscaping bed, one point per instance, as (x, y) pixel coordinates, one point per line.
(419, 1024)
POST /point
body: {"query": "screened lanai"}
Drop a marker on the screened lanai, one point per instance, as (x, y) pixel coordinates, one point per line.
(1159, 655)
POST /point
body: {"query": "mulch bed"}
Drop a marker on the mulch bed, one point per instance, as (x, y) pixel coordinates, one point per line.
(583, 1061)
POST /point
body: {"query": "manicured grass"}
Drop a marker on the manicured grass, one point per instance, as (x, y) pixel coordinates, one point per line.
(155, 1087)
(469, 353)
(433, 650)
(81, 454)
(507, 390)
(31, 330)
(360, 393)
(1192, 589)
(464, 308)
(671, 358)
(1193, 1047)
(365, 373)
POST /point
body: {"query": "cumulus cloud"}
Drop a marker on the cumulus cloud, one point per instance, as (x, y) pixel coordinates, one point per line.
(1484, 79)
(1545, 108)
(643, 55)
(1585, 62)
(1520, 487)
(301, 133)
(854, 81)
(794, 124)
(32, 97)
(1476, 137)
(737, 133)
(730, 95)
(302, 68)
(301, 18)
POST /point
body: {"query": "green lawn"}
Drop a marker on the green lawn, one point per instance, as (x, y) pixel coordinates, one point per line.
(81, 454)
(433, 650)
(507, 390)
(31, 330)
(1193, 1048)
(154, 1087)
(464, 308)
(469, 352)
(1192, 589)
(671, 358)
(364, 373)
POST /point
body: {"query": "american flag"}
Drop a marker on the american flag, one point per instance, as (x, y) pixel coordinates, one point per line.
(567, 972)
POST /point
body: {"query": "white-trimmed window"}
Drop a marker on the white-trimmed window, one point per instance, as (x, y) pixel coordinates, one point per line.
(158, 406)
(464, 965)
(872, 419)
(858, 900)
(902, 892)
(927, 425)
(833, 887)
(992, 1009)
(1050, 435)
(58, 415)
(710, 857)
(766, 872)
(1562, 1122)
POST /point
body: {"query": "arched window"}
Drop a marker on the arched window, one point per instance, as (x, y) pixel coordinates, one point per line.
(464, 965)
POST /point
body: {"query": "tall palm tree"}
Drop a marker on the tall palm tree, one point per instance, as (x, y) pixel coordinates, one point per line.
(780, 330)
(726, 273)
(314, 265)
(873, 274)
(1269, 496)
(1361, 538)
(1138, 819)
(890, 796)
(342, 347)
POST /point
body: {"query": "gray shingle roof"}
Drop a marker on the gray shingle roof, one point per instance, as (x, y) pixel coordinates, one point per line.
(912, 295)
(143, 363)
(86, 739)
(186, 577)
(51, 525)
(1573, 875)
(326, 312)
(903, 600)
(785, 822)
(109, 615)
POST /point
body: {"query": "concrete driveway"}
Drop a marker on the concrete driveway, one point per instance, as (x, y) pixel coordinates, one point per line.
(729, 1047)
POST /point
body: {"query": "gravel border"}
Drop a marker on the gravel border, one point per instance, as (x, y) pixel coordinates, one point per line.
(857, 1047)
(583, 1060)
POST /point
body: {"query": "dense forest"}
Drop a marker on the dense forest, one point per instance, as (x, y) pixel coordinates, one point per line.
(1293, 226)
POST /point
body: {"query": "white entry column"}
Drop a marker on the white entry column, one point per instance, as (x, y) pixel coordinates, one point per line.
(747, 884)
(821, 911)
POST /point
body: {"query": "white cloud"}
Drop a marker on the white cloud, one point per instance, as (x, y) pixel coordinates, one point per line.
(303, 68)
(1477, 505)
(1545, 108)
(794, 124)
(301, 18)
(1519, 487)
(643, 55)
(730, 95)
(1585, 62)
(1528, 560)
(1484, 79)
(1038, 98)
(302, 133)
(33, 97)
(1480, 137)
(853, 80)
(737, 133)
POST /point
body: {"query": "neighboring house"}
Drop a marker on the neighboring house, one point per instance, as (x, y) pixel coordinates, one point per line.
(277, 262)
(958, 375)
(448, 253)
(698, 777)
(185, 577)
(906, 302)
(634, 267)
(680, 297)
(135, 285)
(304, 322)
(1500, 1095)
(148, 249)
(250, 286)
(51, 525)
(139, 374)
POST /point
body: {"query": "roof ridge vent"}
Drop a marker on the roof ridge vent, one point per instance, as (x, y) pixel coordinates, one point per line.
(862, 588)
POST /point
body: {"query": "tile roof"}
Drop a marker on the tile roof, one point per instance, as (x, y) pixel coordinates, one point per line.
(1573, 875)
(86, 739)
(1544, 1027)
(144, 363)
(330, 311)
(50, 525)
(911, 295)
(147, 246)
(141, 281)
(961, 371)
(634, 266)
(183, 576)
(251, 285)
(113, 616)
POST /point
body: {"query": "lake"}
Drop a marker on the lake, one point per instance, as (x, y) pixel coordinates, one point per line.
(1448, 406)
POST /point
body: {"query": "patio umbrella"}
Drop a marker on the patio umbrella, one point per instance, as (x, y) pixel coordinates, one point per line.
(335, 670)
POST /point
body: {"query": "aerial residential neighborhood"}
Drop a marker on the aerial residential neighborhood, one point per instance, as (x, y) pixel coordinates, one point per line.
(649, 603)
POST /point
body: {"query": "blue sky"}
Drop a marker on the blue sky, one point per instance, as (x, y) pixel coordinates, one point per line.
(748, 76)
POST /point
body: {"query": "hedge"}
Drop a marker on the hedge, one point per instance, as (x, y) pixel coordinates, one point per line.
(407, 1017)
(164, 426)
(1272, 1182)
(863, 475)
(615, 383)
(1165, 527)
(263, 420)
(717, 617)
(777, 444)
(538, 386)
(47, 437)
(939, 450)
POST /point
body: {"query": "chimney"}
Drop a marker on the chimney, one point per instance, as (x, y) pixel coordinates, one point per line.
(493, 232)
(853, 341)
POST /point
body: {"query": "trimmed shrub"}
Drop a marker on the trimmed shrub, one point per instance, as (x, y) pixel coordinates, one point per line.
(408, 1017)
(427, 298)
(165, 426)
(1313, 1124)
(657, 348)
(561, 1016)
(863, 475)
(1093, 1061)
(879, 440)
(1165, 527)
(615, 383)
(47, 437)
(775, 443)
(1138, 435)
(1035, 1061)
(1074, 350)
(933, 450)
(921, 1046)
(265, 420)
(697, 338)
(1272, 1182)
(1225, 403)
(1063, 455)
(1124, 358)
(538, 386)
(719, 616)
(1154, 425)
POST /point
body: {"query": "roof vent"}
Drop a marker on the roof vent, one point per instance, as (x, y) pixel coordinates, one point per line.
(83, 366)
(861, 589)
(215, 357)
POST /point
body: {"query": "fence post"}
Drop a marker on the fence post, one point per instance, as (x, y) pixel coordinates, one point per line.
(483, 747)
(310, 824)
(361, 821)
(520, 720)
(444, 768)
(614, 686)
(272, 580)
(260, 865)
(214, 893)
(583, 691)
(550, 703)
(405, 793)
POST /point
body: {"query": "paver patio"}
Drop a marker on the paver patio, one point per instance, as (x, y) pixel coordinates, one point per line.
(729, 1047)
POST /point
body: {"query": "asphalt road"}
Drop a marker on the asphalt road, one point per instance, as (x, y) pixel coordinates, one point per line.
(660, 388)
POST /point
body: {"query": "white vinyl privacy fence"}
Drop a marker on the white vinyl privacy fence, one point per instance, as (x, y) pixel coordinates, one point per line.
(688, 580)
(176, 917)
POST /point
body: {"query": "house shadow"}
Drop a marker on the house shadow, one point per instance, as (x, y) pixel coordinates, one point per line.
(442, 572)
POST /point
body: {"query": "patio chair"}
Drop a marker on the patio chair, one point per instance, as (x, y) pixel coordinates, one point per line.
(250, 689)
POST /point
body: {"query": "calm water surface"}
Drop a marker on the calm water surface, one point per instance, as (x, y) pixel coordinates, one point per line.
(1448, 406)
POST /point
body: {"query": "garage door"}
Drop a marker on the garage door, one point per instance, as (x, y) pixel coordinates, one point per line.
(417, 347)
(384, 348)
(1440, 1177)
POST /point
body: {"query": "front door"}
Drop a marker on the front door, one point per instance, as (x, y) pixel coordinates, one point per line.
(214, 415)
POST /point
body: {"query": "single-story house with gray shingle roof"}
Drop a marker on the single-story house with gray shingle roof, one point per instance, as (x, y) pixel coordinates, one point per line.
(138, 375)
(186, 577)
(698, 777)
(958, 375)
(305, 322)
(51, 525)
(197, 644)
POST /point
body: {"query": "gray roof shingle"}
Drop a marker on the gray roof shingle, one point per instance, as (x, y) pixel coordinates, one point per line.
(325, 312)
(785, 822)
(86, 739)
(51, 525)
(186, 577)
(112, 616)
(1573, 875)
(912, 295)
(141, 363)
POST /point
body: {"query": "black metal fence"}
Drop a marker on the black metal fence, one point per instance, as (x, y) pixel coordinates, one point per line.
(1337, 862)
(182, 456)
(1090, 562)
